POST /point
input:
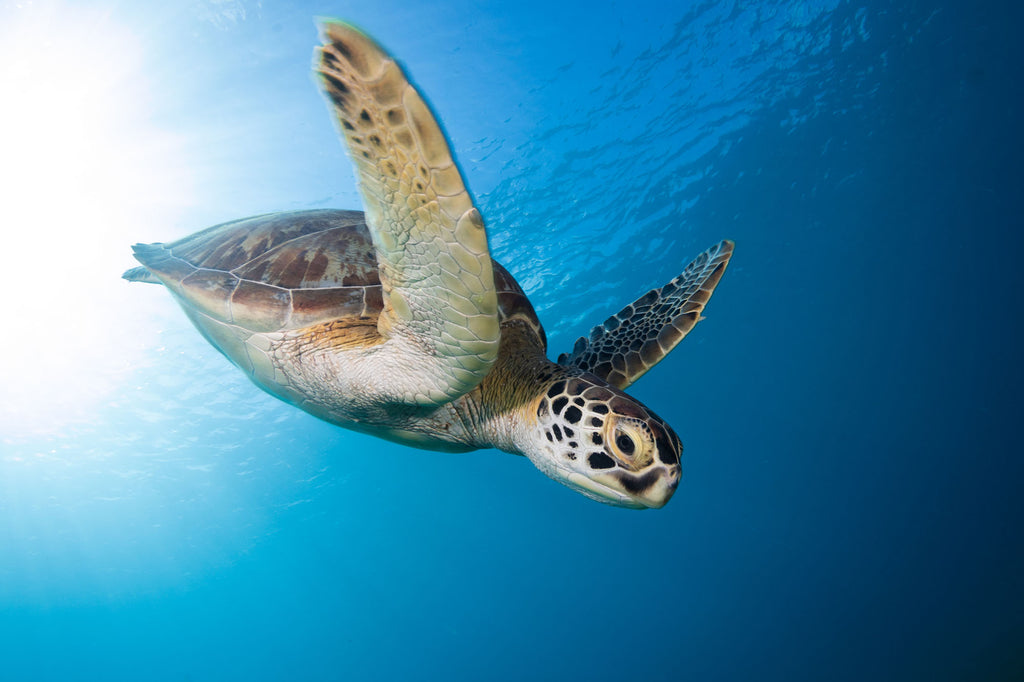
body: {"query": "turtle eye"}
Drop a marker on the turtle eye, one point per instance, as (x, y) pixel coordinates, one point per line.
(630, 443)
(625, 443)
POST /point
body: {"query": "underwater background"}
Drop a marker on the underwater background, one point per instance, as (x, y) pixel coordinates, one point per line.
(850, 507)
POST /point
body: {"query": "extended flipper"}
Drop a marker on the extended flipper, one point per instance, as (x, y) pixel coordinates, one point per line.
(641, 334)
(435, 268)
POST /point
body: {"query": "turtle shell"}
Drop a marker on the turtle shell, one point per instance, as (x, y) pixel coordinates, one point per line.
(285, 271)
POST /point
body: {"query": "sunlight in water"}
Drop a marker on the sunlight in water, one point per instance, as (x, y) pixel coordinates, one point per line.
(83, 174)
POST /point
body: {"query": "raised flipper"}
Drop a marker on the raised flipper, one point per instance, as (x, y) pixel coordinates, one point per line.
(435, 268)
(645, 331)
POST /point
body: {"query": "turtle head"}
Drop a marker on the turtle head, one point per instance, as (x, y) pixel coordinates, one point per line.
(604, 444)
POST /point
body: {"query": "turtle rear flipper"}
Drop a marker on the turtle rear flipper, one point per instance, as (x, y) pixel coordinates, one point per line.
(440, 305)
(640, 335)
(141, 274)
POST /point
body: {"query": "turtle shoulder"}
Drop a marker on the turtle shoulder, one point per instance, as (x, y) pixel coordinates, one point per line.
(273, 272)
(513, 305)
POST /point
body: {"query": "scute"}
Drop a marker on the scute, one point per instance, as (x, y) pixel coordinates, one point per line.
(333, 257)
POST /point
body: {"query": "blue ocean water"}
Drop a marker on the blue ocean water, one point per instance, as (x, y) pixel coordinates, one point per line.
(850, 504)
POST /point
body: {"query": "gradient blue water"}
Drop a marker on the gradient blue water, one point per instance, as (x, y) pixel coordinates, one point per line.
(850, 504)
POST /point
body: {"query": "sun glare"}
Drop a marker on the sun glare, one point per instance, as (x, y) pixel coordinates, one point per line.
(83, 174)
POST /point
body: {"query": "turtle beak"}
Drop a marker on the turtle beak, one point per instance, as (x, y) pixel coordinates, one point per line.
(653, 490)
(658, 495)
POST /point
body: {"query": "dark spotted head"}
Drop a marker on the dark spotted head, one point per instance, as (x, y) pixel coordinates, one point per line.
(605, 444)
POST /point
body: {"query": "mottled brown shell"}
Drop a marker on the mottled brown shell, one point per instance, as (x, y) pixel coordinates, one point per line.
(288, 271)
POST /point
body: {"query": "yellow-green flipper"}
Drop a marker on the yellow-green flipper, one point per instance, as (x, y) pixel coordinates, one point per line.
(435, 267)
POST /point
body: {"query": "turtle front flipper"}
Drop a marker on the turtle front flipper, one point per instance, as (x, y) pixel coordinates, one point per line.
(435, 268)
(645, 331)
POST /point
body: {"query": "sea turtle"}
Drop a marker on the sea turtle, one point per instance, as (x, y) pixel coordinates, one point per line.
(396, 322)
